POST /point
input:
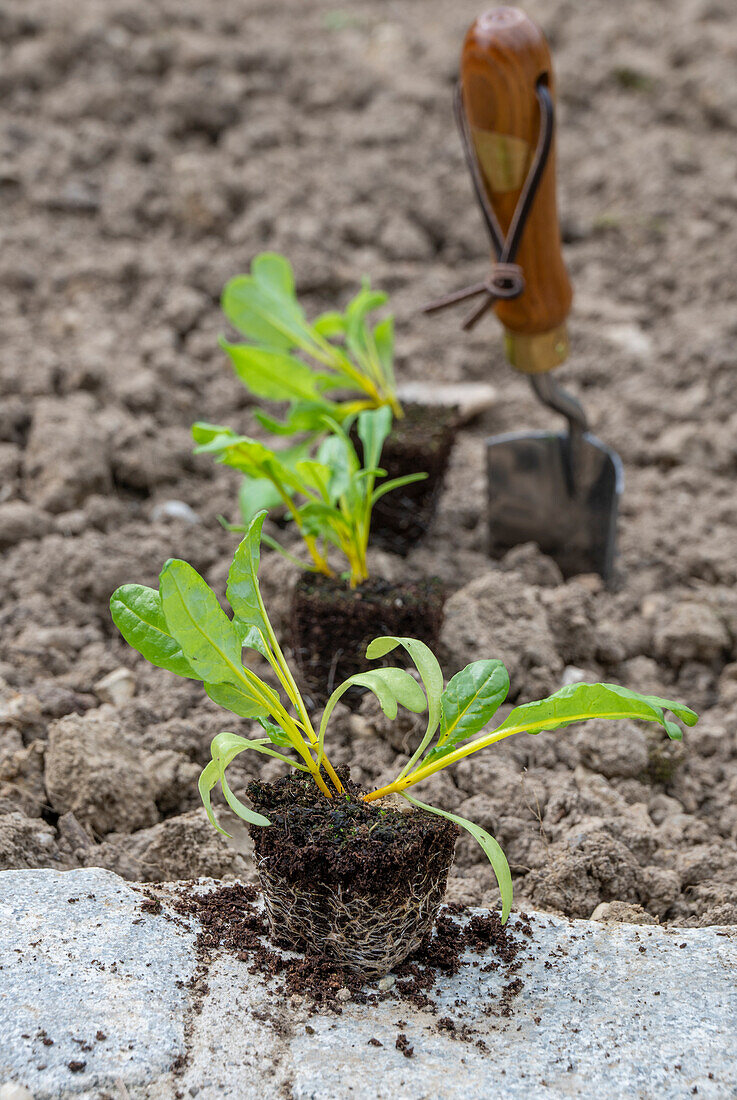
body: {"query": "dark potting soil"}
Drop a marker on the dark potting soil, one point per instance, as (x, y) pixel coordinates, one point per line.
(420, 442)
(364, 848)
(313, 839)
(231, 919)
(333, 624)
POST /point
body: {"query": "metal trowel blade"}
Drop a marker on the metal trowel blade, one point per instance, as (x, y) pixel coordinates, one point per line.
(561, 493)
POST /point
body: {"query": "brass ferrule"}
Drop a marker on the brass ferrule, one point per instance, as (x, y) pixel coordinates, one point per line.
(539, 352)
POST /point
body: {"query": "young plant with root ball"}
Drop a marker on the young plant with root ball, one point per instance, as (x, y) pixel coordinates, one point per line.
(329, 495)
(288, 358)
(182, 628)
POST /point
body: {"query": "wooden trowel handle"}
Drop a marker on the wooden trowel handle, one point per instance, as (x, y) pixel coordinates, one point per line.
(504, 57)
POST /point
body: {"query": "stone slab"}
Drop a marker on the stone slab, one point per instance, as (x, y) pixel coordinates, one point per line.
(78, 958)
(605, 1011)
(471, 399)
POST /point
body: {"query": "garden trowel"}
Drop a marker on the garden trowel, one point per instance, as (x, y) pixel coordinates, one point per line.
(558, 489)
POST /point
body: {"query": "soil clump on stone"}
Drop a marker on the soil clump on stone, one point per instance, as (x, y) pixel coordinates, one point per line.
(230, 918)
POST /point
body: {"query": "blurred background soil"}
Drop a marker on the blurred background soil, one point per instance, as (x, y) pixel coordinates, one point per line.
(147, 152)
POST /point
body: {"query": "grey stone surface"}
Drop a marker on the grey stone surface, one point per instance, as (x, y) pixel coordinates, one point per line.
(605, 1011)
(469, 398)
(73, 968)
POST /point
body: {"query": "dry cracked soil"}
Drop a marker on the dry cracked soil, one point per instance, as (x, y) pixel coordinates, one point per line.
(148, 152)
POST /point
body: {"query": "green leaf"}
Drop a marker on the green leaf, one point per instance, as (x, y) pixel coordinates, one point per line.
(359, 307)
(252, 638)
(374, 426)
(491, 847)
(139, 616)
(209, 640)
(204, 435)
(359, 339)
(207, 781)
(426, 664)
(384, 341)
(263, 305)
(258, 461)
(257, 494)
(338, 454)
(242, 589)
(274, 272)
(395, 483)
(330, 324)
(239, 451)
(276, 734)
(224, 748)
(267, 470)
(236, 699)
(275, 375)
(303, 416)
(391, 686)
(292, 456)
(316, 475)
(578, 702)
(317, 510)
(471, 699)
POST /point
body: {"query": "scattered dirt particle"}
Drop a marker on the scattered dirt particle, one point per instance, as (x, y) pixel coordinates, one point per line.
(151, 904)
(230, 919)
(404, 1045)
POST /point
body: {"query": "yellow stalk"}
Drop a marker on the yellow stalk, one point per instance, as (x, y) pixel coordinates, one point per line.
(321, 564)
(465, 750)
(290, 686)
(445, 762)
(393, 403)
(362, 381)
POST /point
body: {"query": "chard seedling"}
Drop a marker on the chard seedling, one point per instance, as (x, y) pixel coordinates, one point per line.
(288, 358)
(330, 497)
(183, 628)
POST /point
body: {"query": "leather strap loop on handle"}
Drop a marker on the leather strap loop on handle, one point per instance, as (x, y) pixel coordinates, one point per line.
(507, 279)
(505, 57)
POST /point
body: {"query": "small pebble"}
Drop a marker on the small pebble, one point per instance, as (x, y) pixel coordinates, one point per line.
(118, 687)
(174, 509)
(573, 675)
